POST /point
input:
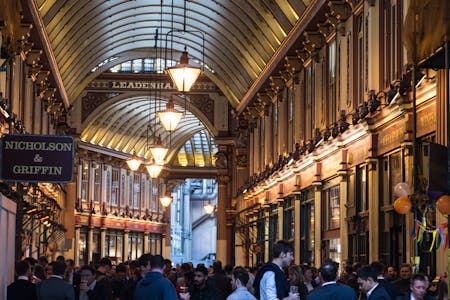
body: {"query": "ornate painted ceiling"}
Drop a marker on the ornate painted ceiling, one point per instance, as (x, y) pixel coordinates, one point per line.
(240, 37)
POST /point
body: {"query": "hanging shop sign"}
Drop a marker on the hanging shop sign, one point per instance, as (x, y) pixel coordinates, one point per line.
(36, 158)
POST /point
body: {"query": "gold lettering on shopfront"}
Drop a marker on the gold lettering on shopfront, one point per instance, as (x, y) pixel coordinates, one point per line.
(36, 170)
(37, 146)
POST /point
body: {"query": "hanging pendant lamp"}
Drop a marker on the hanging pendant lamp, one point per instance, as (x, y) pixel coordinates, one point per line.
(134, 162)
(170, 117)
(158, 151)
(183, 74)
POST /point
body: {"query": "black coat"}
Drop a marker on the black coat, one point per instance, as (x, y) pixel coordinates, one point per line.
(21, 289)
(379, 293)
(389, 287)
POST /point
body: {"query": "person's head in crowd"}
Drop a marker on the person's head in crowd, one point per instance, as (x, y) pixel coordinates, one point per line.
(167, 266)
(172, 276)
(217, 266)
(391, 272)
(294, 275)
(228, 269)
(145, 263)
(70, 265)
(378, 267)
(43, 261)
(22, 268)
(419, 286)
(283, 253)
(367, 278)
(135, 270)
(104, 266)
(157, 263)
(121, 271)
(39, 272)
(405, 271)
(200, 276)
(87, 274)
(49, 270)
(32, 262)
(308, 274)
(58, 268)
(355, 267)
(328, 271)
(60, 258)
(239, 278)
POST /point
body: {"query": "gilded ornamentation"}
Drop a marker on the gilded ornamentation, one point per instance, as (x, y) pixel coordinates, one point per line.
(92, 100)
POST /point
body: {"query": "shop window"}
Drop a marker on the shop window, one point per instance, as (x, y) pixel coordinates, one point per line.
(115, 187)
(84, 193)
(331, 83)
(288, 219)
(362, 203)
(392, 225)
(82, 248)
(123, 177)
(332, 217)
(307, 228)
(97, 182)
(273, 225)
(391, 40)
(114, 245)
(95, 246)
(136, 191)
(359, 59)
(107, 173)
(130, 193)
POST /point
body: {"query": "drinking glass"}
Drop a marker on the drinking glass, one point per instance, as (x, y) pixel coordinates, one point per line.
(293, 289)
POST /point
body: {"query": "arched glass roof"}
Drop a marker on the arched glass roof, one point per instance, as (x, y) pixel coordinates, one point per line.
(240, 36)
(130, 125)
(198, 151)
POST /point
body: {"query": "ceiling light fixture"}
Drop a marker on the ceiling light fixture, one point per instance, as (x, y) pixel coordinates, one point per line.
(134, 162)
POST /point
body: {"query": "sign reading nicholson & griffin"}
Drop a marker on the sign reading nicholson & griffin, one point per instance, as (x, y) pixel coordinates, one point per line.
(36, 158)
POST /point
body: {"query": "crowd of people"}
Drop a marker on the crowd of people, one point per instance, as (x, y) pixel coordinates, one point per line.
(153, 277)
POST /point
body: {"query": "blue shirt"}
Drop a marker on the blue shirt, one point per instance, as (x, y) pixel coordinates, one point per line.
(241, 294)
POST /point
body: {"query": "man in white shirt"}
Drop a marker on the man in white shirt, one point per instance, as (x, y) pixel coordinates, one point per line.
(271, 282)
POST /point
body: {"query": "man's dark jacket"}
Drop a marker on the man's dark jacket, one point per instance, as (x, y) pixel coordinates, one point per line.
(21, 289)
(379, 293)
(280, 280)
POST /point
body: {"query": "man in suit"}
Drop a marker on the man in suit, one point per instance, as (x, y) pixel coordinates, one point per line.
(379, 269)
(331, 290)
(418, 289)
(367, 281)
(22, 288)
(55, 287)
(93, 289)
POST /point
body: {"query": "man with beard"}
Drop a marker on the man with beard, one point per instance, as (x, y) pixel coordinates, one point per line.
(270, 281)
(200, 290)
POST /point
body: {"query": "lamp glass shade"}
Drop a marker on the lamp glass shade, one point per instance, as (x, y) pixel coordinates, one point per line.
(153, 169)
(170, 117)
(165, 200)
(134, 163)
(159, 153)
(184, 76)
(209, 208)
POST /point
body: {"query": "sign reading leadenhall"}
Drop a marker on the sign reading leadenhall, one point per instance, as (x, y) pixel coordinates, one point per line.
(36, 158)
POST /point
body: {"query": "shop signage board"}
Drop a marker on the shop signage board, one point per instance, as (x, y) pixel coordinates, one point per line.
(36, 158)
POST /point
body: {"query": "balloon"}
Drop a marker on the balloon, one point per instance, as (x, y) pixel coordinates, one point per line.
(402, 189)
(443, 204)
(402, 205)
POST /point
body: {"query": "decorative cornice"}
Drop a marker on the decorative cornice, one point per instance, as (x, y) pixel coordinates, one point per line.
(40, 26)
(311, 10)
